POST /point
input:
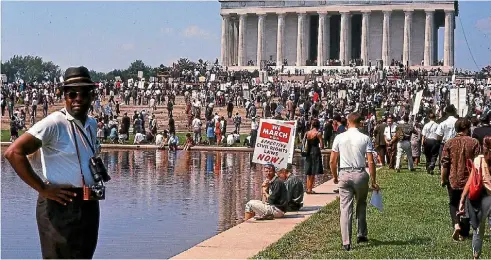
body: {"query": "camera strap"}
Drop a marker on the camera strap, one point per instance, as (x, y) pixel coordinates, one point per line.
(76, 145)
(78, 153)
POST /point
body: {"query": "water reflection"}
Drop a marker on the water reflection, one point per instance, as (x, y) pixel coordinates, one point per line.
(159, 203)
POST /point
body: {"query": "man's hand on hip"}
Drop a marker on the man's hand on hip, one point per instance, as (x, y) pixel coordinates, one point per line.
(57, 193)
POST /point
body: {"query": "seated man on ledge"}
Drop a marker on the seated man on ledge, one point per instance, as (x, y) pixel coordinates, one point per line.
(294, 188)
(276, 198)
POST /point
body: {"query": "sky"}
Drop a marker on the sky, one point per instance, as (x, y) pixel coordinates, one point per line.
(110, 35)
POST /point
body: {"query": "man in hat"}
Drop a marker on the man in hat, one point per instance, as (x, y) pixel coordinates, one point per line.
(68, 225)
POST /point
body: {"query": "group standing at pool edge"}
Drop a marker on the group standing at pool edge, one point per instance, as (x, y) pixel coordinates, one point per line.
(67, 210)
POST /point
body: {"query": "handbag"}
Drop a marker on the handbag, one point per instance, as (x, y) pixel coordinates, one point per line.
(475, 187)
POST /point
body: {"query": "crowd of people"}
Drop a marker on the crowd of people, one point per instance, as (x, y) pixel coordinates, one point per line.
(366, 117)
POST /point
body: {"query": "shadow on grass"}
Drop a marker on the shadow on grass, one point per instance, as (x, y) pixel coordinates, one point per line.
(310, 208)
(295, 216)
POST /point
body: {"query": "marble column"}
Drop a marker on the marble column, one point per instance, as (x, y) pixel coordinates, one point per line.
(224, 40)
(280, 39)
(230, 48)
(386, 39)
(236, 41)
(241, 48)
(428, 51)
(260, 38)
(448, 45)
(301, 39)
(406, 47)
(365, 25)
(343, 39)
(321, 39)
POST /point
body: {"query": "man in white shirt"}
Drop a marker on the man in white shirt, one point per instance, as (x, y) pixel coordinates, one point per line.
(196, 124)
(430, 143)
(350, 149)
(68, 224)
(446, 129)
(254, 127)
(390, 135)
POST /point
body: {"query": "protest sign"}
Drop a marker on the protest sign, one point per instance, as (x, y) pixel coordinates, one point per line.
(117, 78)
(275, 142)
(202, 79)
(61, 79)
(417, 102)
(212, 77)
(140, 74)
(4, 78)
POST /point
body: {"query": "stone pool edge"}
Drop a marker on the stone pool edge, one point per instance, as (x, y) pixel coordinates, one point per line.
(154, 147)
(251, 237)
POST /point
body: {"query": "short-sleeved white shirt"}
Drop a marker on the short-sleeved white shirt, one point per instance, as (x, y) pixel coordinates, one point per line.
(446, 129)
(352, 147)
(59, 158)
(429, 130)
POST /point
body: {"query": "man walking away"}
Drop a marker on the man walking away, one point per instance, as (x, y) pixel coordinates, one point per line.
(404, 132)
(350, 149)
(431, 145)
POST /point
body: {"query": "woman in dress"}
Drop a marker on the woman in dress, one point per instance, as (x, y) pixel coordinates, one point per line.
(313, 159)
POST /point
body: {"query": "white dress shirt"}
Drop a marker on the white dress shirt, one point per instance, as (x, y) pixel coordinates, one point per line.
(390, 131)
(352, 146)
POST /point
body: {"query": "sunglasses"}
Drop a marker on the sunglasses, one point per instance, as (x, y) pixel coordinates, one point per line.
(83, 94)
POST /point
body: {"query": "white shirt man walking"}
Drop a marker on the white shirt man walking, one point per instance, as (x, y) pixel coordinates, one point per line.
(350, 149)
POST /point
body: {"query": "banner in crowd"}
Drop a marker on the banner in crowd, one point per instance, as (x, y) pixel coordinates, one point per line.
(417, 102)
(275, 142)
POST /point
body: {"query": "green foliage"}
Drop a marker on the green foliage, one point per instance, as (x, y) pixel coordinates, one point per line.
(30, 69)
(415, 223)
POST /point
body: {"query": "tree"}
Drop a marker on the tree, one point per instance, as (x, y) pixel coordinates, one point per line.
(185, 64)
(30, 69)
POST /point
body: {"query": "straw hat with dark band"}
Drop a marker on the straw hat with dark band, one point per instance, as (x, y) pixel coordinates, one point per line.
(77, 76)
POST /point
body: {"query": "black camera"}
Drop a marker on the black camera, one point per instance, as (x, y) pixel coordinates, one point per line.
(95, 192)
(98, 170)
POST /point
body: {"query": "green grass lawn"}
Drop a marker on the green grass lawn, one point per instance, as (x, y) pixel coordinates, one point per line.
(415, 224)
(5, 137)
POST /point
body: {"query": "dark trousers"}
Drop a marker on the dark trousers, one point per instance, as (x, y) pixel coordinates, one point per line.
(391, 155)
(454, 201)
(382, 151)
(431, 149)
(69, 231)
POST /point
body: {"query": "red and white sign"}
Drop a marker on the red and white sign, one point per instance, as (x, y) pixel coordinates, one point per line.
(275, 142)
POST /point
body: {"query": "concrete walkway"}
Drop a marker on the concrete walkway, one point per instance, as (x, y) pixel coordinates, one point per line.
(249, 238)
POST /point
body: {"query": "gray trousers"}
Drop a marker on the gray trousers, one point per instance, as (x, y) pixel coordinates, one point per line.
(353, 186)
(478, 233)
